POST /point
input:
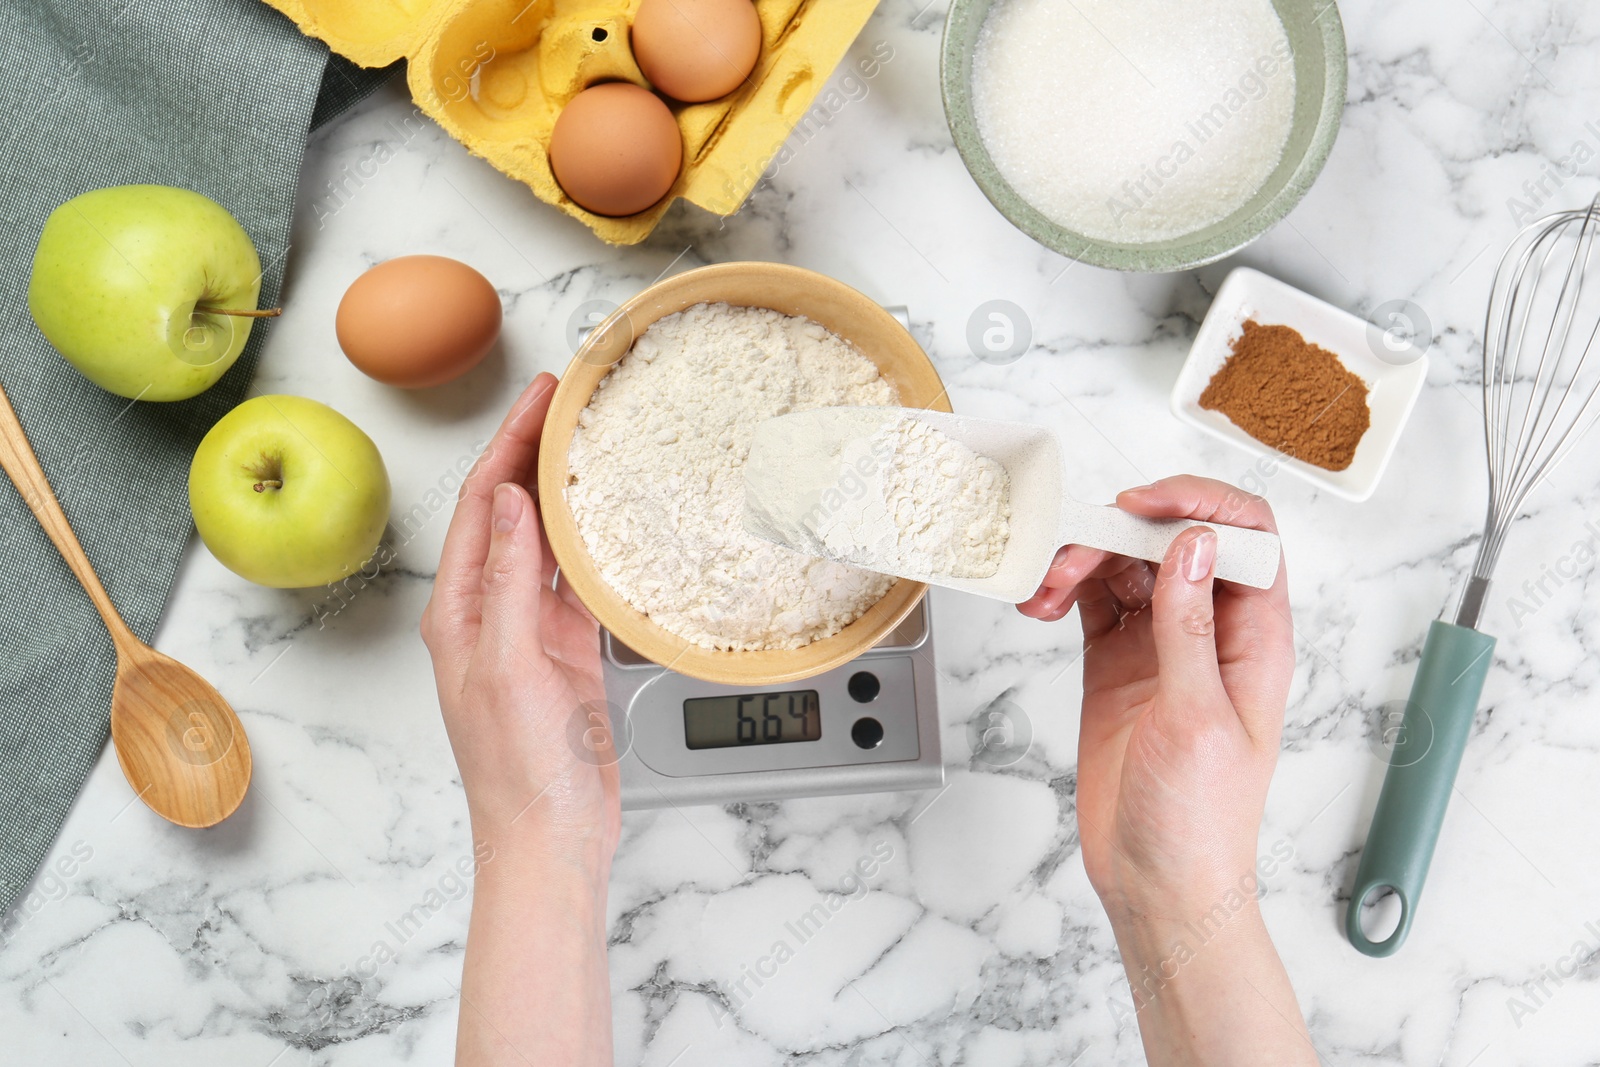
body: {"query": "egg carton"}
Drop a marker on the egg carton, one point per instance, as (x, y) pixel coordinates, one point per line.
(496, 74)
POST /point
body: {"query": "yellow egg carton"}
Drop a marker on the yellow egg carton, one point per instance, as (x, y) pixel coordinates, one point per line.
(496, 73)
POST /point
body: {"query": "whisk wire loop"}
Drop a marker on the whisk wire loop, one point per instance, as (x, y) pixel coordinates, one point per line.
(1536, 407)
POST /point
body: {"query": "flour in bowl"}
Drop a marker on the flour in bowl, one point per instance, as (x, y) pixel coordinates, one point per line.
(656, 484)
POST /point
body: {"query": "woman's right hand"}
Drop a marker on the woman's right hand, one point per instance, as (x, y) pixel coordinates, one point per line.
(1185, 682)
(1184, 686)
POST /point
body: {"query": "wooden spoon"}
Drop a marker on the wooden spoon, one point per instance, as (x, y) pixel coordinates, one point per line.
(180, 745)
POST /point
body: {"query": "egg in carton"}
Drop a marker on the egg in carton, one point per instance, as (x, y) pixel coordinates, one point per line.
(497, 73)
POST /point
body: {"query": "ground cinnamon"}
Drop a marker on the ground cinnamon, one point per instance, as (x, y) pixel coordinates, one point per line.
(1291, 395)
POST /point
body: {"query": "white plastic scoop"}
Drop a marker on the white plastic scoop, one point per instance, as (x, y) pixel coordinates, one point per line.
(796, 471)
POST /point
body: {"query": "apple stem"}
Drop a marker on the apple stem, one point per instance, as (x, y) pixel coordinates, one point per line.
(268, 483)
(263, 313)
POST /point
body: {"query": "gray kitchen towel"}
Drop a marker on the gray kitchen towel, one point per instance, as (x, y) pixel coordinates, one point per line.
(211, 95)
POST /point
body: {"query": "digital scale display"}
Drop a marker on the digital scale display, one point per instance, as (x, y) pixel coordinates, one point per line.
(865, 726)
(752, 719)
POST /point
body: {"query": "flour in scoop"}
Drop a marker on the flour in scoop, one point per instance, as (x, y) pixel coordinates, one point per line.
(910, 500)
(657, 484)
(1134, 120)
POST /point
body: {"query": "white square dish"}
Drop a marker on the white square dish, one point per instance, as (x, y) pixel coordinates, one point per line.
(1392, 388)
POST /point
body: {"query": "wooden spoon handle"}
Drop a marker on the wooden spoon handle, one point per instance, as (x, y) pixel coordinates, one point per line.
(16, 456)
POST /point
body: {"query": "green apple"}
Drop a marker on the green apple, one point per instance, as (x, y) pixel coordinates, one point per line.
(148, 290)
(289, 493)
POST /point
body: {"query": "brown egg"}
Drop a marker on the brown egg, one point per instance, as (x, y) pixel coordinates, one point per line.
(616, 149)
(696, 50)
(418, 321)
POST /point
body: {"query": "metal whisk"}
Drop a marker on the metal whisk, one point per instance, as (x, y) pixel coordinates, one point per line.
(1541, 394)
(1532, 423)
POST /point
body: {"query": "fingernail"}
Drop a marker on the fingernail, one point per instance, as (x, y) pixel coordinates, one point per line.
(507, 508)
(1201, 554)
(1138, 488)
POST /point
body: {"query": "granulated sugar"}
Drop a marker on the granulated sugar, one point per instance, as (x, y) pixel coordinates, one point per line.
(1134, 120)
(657, 488)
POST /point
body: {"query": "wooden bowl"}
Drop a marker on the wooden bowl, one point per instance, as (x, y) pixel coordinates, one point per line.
(792, 291)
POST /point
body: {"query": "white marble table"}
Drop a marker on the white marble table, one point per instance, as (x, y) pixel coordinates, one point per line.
(281, 937)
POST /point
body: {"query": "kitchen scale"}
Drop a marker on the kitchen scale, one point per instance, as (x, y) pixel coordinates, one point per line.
(869, 726)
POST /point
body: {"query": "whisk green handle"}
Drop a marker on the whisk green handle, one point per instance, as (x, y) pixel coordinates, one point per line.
(1422, 774)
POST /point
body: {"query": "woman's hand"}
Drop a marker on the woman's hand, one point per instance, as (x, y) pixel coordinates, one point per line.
(1185, 682)
(517, 664)
(1184, 687)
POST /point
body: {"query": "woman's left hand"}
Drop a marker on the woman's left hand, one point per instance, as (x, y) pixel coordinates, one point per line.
(517, 660)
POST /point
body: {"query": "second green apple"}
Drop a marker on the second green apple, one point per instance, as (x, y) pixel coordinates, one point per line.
(289, 493)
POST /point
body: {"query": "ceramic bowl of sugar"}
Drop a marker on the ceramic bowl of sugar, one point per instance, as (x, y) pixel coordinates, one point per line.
(1144, 135)
(639, 466)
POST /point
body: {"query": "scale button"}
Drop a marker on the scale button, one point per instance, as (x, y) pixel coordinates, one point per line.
(867, 732)
(864, 687)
